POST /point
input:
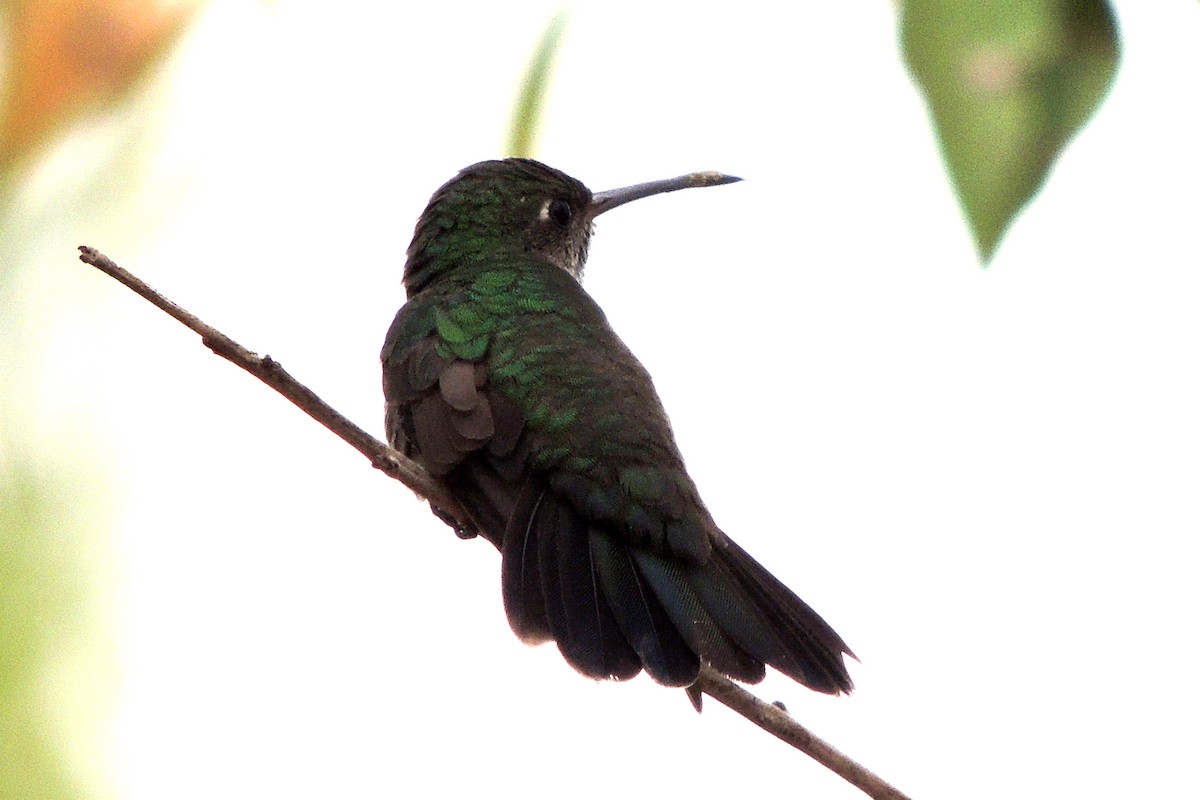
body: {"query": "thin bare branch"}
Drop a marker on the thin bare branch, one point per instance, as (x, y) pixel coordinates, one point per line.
(769, 717)
(779, 723)
(272, 373)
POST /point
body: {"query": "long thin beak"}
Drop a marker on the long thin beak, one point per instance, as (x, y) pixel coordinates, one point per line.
(608, 200)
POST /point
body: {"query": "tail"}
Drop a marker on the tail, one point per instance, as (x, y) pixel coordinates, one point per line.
(769, 621)
(615, 608)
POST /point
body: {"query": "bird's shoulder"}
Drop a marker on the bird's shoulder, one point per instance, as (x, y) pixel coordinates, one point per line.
(518, 297)
(520, 366)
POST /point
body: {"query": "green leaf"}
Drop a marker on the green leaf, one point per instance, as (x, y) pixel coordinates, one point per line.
(1008, 83)
(522, 133)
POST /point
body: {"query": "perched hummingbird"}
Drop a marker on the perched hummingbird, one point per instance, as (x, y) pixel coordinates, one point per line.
(504, 380)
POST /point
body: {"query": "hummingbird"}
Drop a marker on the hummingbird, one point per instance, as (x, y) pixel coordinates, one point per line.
(504, 380)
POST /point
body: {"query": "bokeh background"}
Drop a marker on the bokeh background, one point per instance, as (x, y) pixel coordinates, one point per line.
(985, 479)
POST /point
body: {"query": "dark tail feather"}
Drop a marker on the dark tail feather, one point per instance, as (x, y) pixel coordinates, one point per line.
(665, 655)
(693, 619)
(593, 642)
(552, 589)
(547, 575)
(782, 629)
(520, 572)
(615, 609)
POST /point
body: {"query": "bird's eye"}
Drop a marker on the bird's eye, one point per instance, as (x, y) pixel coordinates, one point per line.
(560, 212)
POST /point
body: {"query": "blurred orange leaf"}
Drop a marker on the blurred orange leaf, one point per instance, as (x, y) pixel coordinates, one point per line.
(67, 56)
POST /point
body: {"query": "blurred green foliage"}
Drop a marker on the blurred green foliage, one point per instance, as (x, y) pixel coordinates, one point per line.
(1008, 83)
(63, 61)
(527, 111)
(37, 603)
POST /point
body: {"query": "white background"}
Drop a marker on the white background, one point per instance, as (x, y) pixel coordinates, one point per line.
(984, 479)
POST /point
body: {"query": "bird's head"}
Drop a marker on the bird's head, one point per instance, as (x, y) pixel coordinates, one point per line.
(523, 205)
